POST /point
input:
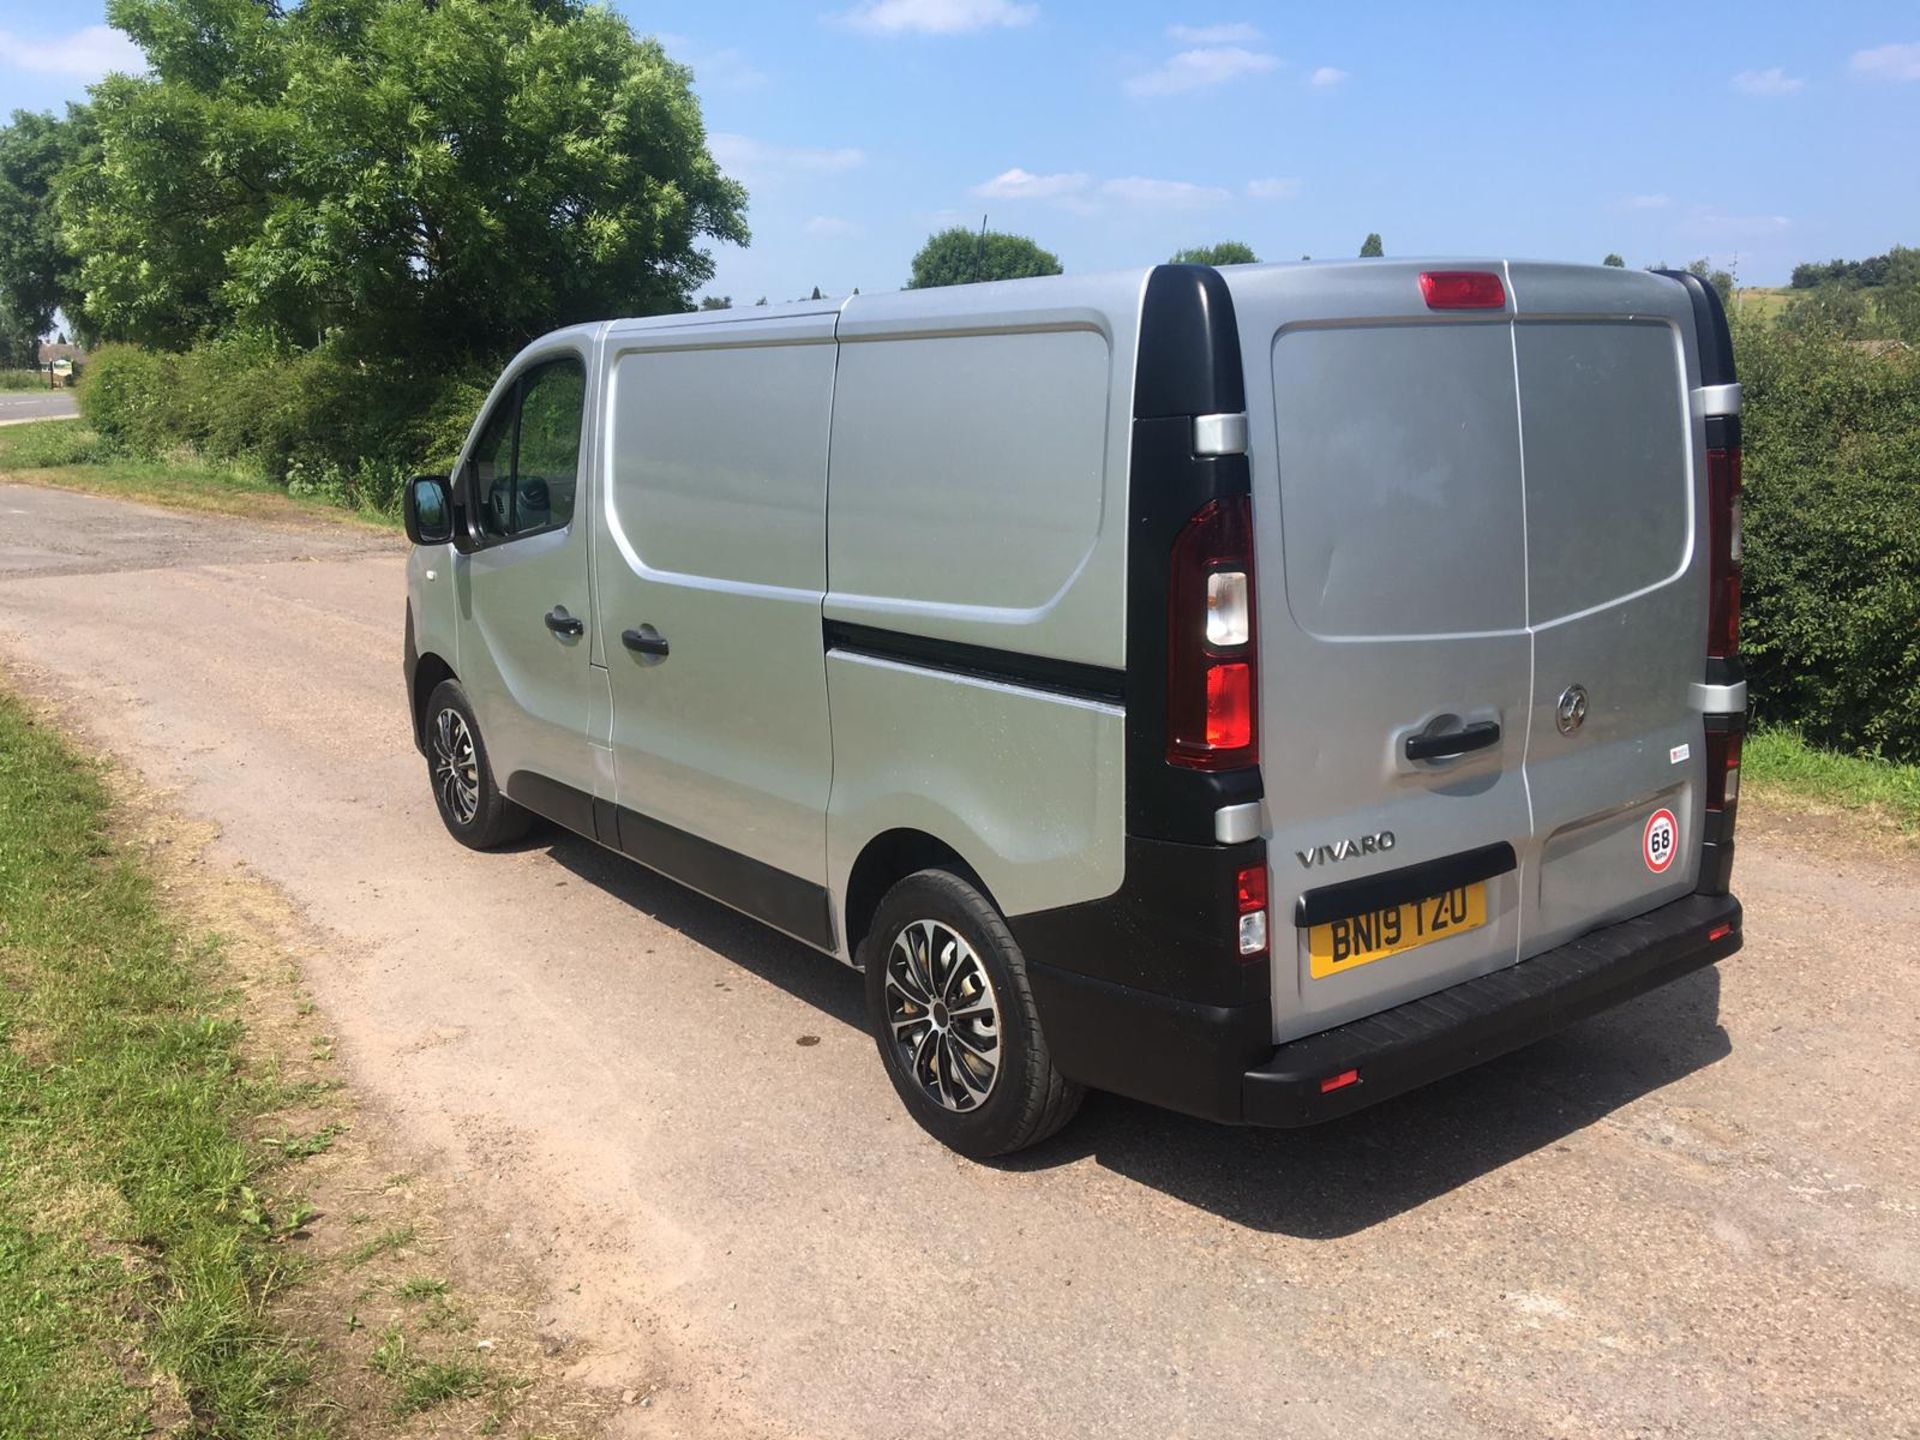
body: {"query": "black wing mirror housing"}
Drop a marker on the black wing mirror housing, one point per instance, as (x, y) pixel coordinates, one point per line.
(428, 510)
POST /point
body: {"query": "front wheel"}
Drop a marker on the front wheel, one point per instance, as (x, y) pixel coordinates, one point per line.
(471, 805)
(950, 1009)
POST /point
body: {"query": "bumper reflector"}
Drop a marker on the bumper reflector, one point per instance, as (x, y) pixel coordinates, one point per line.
(1340, 1081)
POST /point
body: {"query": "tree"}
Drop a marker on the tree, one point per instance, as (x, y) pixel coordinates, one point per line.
(1372, 249)
(961, 256)
(1615, 262)
(458, 176)
(716, 302)
(1721, 280)
(36, 272)
(1226, 252)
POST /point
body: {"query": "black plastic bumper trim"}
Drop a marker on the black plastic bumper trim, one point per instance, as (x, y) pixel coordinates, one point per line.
(1396, 887)
(1428, 1039)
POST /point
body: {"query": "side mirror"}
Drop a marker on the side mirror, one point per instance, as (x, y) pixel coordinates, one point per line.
(428, 510)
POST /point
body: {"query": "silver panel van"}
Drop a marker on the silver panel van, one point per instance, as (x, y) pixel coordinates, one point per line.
(1257, 692)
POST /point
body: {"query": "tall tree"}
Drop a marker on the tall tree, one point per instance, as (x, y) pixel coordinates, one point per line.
(1371, 248)
(1613, 261)
(459, 176)
(1226, 252)
(961, 256)
(36, 273)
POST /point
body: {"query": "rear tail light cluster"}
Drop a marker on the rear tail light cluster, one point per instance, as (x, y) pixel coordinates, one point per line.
(1212, 668)
(1723, 536)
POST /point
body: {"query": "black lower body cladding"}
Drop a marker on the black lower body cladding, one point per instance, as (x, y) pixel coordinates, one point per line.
(1217, 1060)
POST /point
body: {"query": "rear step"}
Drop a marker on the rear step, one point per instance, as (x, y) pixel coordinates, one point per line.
(1339, 1071)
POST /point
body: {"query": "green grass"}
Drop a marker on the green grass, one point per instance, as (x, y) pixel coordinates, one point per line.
(66, 454)
(22, 380)
(136, 1258)
(1781, 762)
(423, 1383)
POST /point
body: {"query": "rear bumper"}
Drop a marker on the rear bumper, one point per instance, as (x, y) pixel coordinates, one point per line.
(1199, 1059)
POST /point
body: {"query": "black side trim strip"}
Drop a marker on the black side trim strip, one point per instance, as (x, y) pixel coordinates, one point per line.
(1396, 887)
(1070, 678)
(559, 803)
(773, 897)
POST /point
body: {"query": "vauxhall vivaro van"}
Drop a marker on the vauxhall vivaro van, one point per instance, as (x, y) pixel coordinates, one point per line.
(1255, 691)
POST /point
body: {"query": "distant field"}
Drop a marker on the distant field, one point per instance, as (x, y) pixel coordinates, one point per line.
(1762, 303)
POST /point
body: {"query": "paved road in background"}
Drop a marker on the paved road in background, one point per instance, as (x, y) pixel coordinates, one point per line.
(1698, 1216)
(36, 405)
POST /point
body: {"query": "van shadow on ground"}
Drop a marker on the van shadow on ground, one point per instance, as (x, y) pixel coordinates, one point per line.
(1318, 1184)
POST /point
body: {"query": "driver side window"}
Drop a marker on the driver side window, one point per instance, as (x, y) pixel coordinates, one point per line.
(526, 462)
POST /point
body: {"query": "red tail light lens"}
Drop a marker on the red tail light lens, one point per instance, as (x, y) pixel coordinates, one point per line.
(1213, 682)
(1463, 290)
(1723, 539)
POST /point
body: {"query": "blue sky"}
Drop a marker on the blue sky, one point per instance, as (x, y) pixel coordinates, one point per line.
(1115, 132)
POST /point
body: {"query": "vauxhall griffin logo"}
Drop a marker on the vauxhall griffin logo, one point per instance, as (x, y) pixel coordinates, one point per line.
(1345, 849)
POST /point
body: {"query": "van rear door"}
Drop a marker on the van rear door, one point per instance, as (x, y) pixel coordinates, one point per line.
(1617, 595)
(1389, 511)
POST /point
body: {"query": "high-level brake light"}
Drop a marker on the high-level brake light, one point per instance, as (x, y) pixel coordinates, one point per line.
(1463, 290)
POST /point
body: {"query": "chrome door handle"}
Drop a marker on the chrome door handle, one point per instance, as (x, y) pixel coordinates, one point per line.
(1477, 736)
(644, 641)
(561, 623)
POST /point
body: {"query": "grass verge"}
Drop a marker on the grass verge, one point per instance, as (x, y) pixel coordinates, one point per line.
(136, 1258)
(1779, 762)
(22, 380)
(68, 456)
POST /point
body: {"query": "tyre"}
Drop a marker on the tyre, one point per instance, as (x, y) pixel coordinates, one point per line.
(950, 1009)
(469, 801)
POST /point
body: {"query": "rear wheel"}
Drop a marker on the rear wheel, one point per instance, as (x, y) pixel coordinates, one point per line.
(949, 1006)
(471, 805)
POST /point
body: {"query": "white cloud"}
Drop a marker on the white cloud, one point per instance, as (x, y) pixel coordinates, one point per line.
(1272, 189)
(1215, 34)
(1200, 69)
(937, 17)
(1326, 77)
(1018, 184)
(745, 156)
(1162, 194)
(1645, 202)
(830, 225)
(1712, 222)
(85, 54)
(1771, 83)
(1888, 62)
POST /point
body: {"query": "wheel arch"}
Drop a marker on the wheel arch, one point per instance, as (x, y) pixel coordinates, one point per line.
(883, 862)
(428, 671)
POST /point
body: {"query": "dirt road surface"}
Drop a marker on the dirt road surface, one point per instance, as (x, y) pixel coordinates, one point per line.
(1695, 1216)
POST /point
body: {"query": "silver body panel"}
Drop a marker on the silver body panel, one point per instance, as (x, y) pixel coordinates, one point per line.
(1459, 515)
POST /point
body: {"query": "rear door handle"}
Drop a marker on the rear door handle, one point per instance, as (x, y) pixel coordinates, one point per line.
(644, 641)
(1477, 736)
(561, 623)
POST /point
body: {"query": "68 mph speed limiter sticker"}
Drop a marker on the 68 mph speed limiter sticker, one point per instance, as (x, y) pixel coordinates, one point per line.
(1660, 840)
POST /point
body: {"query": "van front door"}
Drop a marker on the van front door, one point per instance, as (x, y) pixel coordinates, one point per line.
(524, 590)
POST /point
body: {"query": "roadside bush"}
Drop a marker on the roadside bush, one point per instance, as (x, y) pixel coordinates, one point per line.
(129, 397)
(1832, 576)
(50, 443)
(319, 419)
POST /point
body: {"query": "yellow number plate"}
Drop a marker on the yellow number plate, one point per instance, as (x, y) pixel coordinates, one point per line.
(1341, 945)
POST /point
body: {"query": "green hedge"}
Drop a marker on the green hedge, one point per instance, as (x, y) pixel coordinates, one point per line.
(317, 421)
(1832, 576)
